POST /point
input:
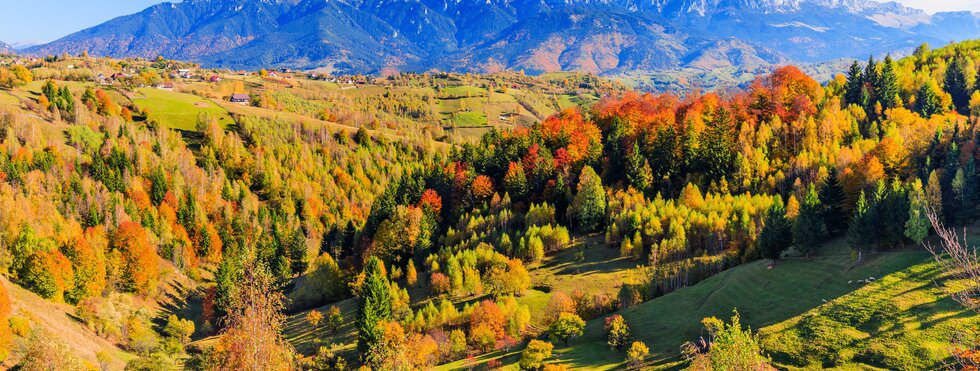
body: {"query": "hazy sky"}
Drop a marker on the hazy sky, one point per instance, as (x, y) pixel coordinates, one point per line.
(46, 20)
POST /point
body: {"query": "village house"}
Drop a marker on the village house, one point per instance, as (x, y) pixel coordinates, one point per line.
(243, 99)
(169, 86)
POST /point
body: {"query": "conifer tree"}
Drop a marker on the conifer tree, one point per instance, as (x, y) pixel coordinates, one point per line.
(374, 305)
(887, 88)
(956, 84)
(861, 232)
(638, 171)
(777, 234)
(832, 198)
(589, 204)
(917, 226)
(855, 83)
(809, 228)
(927, 100)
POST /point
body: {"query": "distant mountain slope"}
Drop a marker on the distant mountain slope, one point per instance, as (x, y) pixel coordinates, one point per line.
(6, 48)
(602, 36)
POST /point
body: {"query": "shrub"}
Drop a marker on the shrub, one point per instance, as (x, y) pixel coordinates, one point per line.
(635, 355)
(533, 357)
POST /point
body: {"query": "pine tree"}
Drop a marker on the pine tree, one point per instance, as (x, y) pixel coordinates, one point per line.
(589, 204)
(887, 87)
(638, 171)
(956, 84)
(861, 232)
(374, 305)
(832, 197)
(855, 83)
(777, 234)
(809, 228)
(871, 78)
(917, 226)
(927, 100)
(964, 187)
(893, 214)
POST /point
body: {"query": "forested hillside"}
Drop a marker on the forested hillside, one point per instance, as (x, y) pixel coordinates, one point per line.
(207, 219)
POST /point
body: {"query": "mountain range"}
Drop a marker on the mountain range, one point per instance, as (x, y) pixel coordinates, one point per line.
(5, 48)
(600, 36)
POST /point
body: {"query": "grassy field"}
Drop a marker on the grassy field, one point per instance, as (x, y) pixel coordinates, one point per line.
(782, 303)
(178, 110)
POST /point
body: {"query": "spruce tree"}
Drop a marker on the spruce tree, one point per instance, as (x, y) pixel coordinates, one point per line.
(861, 232)
(777, 234)
(374, 305)
(956, 84)
(638, 171)
(887, 88)
(855, 83)
(917, 226)
(809, 228)
(893, 214)
(832, 197)
(927, 100)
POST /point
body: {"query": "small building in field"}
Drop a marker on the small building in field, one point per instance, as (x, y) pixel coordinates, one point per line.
(241, 99)
(169, 86)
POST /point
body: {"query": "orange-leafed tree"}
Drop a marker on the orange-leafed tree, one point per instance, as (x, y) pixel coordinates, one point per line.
(482, 187)
(569, 130)
(487, 313)
(138, 263)
(49, 274)
(6, 338)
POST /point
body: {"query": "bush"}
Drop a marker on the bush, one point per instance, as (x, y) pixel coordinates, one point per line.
(533, 357)
(20, 325)
(618, 331)
(635, 355)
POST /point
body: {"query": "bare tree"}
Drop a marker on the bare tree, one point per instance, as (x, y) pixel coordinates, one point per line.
(959, 261)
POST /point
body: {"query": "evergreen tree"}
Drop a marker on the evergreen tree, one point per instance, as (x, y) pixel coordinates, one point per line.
(893, 213)
(964, 188)
(615, 135)
(777, 234)
(861, 232)
(855, 83)
(927, 100)
(871, 78)
(832, 198)
(638, 171)
(809, 228)
(917, 226)
(374, 305)
(887, 87)
(589, 204)
(956, 84)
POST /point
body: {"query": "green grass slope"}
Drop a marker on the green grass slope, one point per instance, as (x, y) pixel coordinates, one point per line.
(178, 110)
(905, 320)
(763, 296)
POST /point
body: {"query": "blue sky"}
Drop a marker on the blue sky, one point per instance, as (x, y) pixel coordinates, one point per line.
(46, 20)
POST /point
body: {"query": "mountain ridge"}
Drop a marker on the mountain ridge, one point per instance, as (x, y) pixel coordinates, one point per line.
(600, 36)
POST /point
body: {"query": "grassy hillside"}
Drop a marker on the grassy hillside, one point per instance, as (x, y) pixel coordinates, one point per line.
(826, 299)
(178, 110)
